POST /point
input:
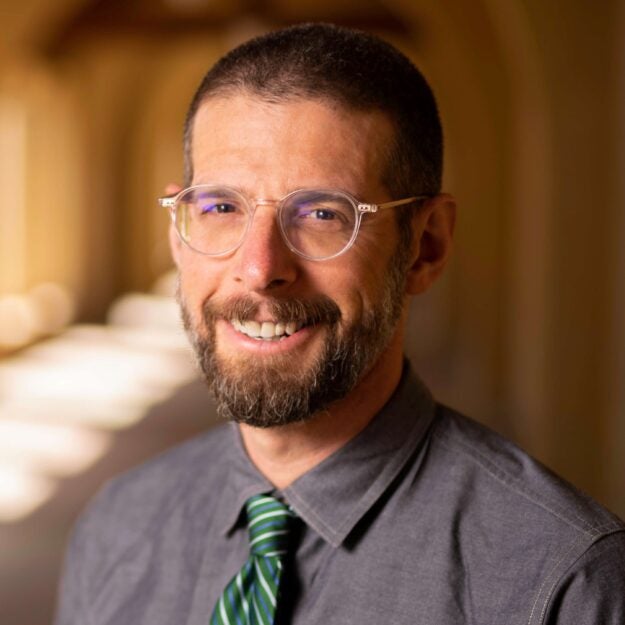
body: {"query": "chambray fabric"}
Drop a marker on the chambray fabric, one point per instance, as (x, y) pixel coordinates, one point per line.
(425, 518)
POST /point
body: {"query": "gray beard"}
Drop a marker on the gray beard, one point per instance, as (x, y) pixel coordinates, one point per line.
(273, 391)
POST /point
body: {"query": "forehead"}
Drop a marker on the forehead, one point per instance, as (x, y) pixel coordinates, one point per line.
(245, 141)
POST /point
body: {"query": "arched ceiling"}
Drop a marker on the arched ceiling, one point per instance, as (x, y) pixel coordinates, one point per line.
(52, 27)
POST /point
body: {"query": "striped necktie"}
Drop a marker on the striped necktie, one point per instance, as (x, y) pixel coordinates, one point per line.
(251, 597)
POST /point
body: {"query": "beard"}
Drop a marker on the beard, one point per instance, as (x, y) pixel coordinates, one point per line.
(274, 390)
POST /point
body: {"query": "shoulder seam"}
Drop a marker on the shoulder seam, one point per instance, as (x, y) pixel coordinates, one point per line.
(549, 594)
(503, 477)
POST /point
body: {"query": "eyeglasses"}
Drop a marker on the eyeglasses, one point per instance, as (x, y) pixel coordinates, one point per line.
(317, 224)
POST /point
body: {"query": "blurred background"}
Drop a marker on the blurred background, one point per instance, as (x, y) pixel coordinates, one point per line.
(525, 333)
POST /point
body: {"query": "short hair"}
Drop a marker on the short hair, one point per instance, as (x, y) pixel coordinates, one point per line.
(349, 67)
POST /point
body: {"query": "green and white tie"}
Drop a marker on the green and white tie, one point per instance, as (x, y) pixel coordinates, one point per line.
(251, 597)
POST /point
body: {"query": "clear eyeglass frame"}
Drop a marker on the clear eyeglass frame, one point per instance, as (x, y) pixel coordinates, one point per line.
(171, 203)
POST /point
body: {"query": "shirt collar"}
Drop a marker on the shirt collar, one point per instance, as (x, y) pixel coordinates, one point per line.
(243, 481)
(333, 496)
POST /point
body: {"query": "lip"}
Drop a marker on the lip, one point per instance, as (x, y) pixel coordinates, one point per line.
(239, 340)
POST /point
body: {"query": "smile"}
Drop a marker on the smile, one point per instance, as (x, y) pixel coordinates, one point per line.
(266, 330)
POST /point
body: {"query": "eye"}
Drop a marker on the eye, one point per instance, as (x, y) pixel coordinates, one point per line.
(334, 214)
(322, 214)
(214, 206)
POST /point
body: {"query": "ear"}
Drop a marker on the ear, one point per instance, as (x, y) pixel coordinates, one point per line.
(172, 188)
(433, 229)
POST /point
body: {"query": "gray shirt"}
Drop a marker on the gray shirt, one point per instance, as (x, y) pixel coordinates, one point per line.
(424, 518)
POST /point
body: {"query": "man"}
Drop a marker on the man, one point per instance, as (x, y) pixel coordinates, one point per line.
(341, 493)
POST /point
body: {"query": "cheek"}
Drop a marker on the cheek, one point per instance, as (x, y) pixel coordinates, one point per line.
(198, 281)
(369, 273)
(343, 286)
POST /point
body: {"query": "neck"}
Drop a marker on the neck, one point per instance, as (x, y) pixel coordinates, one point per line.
(282, 454)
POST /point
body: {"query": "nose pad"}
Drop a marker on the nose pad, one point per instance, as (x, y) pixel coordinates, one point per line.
(264, 260)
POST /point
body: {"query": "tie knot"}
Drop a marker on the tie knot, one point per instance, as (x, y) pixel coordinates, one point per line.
(268, 523)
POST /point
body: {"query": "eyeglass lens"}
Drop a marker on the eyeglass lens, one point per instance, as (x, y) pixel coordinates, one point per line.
(317, 224)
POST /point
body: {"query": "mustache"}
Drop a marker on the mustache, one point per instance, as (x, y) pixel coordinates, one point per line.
(313, 311)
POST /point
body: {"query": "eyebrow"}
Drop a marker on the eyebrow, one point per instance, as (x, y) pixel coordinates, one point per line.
(252, 195)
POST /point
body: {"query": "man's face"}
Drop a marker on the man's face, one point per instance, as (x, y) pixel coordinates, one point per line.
(344, 310)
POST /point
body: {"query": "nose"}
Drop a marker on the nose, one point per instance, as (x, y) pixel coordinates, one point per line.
(264, 262)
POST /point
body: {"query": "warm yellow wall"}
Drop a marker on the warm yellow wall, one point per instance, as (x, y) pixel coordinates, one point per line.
(522, 333)
(537, 239)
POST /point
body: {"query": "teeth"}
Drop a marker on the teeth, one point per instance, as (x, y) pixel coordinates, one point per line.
(251, 328)
(266, 329)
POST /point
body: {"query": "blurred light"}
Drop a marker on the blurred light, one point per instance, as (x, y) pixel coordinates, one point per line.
(60, 398)
(166, 285)
(53, 305)
(18, 321)
(46, 309)
(137, 309)
(174, 341)
(97, 377)
(53, 449)
(110, 415)
(21, 492)
(94, 376)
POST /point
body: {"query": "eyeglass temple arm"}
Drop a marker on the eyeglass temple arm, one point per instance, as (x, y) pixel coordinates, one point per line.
(373, 208)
